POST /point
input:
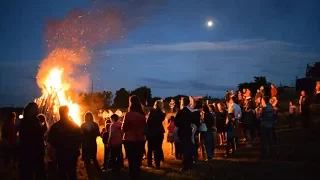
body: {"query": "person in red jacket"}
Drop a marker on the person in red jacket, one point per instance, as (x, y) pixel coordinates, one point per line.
(274, 94)
(134, 136)
(274, 91)
(170, 129)
(115, 143)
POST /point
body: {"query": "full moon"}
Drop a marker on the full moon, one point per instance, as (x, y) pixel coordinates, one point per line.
(210, 23)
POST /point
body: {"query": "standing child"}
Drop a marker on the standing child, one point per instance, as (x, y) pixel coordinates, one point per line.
(115, 143)
(194, 146)
(105, 138)
(170, 129)
(230, 133)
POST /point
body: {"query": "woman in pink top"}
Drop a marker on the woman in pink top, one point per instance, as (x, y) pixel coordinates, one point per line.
(134, 136)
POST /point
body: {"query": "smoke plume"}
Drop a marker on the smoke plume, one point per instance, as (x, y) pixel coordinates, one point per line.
(71, 40)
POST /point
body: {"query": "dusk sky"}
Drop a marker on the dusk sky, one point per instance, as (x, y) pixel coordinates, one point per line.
(171, 49)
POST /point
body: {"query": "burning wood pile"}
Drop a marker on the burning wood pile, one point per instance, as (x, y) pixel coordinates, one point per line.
(46, 104)
(54, 94)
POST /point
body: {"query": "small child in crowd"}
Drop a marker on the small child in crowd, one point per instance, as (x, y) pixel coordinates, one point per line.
(170, 129)
(105, 138)
(115, 143)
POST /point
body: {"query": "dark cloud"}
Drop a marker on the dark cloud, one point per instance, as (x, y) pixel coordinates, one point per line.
(192, 85)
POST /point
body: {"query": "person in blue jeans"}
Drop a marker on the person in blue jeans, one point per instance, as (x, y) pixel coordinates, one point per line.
(230, 127)
(268, 120)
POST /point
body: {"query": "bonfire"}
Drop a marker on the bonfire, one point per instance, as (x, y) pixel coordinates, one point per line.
(54, 96)
(56, 83)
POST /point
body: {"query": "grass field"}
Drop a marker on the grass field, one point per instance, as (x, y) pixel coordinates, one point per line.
(297, 158)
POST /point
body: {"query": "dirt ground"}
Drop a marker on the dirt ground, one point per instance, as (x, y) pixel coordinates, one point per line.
(297, 158)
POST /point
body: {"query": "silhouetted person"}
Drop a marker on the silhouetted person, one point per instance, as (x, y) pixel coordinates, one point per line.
(9, 140)
(195, 119)
(105, 133)
(221, 116)
(65, 137)
(183, 122)
(305, 109)
(230, 129)
(268, 119)
(90, 132)
(236, 109)
(31, 145)
(248, 121)
(155, 133)
(134, 136)
(209, 121)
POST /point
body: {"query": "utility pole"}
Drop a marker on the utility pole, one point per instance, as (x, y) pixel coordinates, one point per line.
(92, 87)
(92, 91)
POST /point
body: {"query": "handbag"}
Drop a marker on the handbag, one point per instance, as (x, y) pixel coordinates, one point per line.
(203, 127)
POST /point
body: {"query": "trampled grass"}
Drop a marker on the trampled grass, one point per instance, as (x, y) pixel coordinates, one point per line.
(297, 158)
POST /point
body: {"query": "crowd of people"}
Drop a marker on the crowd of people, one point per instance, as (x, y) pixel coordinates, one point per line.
(196, 127)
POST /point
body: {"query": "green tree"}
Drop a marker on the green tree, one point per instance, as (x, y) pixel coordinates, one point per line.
(175, 98)
(144, 93)
(256, 84)
(121, 99)
(96, 100)
(108, 97)
(154, 99)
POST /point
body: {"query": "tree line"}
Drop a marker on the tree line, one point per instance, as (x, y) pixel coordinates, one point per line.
(106, 99)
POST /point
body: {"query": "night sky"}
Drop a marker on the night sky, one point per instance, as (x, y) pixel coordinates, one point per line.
(167, 45)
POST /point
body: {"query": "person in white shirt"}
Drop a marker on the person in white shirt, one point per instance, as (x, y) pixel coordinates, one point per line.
(236, 109)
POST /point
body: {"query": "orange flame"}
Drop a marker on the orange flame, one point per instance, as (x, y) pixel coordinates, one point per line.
(54, 78)
(55, 82)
